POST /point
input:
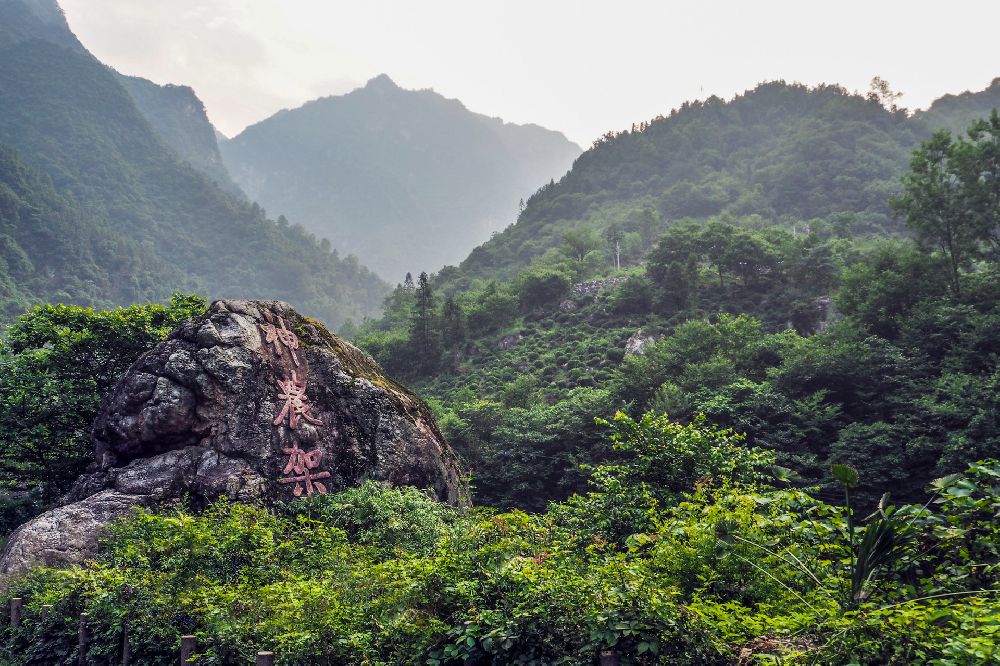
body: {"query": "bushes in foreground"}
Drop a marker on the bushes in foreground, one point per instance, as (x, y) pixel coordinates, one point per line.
(682, 556)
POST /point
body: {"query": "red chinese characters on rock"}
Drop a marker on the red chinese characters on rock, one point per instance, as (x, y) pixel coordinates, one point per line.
(301, 468)
(280, 335)
(296, 406)
(301, 464)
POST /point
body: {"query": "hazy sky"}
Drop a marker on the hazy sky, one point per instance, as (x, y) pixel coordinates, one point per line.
(579, 66)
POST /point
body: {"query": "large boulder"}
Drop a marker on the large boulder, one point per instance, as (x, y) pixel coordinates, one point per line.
(251, 401)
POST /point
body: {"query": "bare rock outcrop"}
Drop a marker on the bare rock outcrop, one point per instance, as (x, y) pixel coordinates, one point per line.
(637, 343)
(251, 401)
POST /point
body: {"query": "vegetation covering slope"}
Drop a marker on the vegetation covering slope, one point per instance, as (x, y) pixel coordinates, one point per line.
(818, 336)
(783, 151)
(822, 346)
(178, 117)
(404, 179)
(22, 20)
(957, 112)
(681, 553)
(54, 251)
(70, 118)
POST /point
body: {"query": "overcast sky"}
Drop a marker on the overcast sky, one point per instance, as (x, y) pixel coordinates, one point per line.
(579, 66)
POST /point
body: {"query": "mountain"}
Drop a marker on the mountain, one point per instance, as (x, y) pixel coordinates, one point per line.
(407, 180)
(71, 118)
(780, 151)
(737, 259)
(956, 112)
(179, 117)
(784, 152)
(23, 20)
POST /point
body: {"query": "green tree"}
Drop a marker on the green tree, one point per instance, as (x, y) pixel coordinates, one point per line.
(615, 235)
(673, 267)
(977, 161)
(58, 362)
(453, 332)
(425, 338)
(580, 242)
(936, 203)
(542, 286)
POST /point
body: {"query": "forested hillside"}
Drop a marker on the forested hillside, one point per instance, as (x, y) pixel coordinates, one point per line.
(53, 250)
(727, 393)
(782, 151)
(865, 338)
(407, 180)
(957, 112)
(70, 118)
(178, 117)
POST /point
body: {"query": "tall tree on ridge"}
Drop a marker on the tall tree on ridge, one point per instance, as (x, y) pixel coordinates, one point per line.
(424, 336)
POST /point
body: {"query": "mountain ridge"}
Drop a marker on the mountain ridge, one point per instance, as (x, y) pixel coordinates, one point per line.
(382, 166)
(779, 150)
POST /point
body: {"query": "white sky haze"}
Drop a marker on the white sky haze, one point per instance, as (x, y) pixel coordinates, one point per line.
(579, 66)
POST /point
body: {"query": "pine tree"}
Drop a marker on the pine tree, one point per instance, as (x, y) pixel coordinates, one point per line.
(452, 324)
(425, 339)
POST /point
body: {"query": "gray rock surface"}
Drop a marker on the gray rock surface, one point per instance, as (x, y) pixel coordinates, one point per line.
(201, 415)
(637, 343)
(594, 286)
(509, 341)
(65, 534)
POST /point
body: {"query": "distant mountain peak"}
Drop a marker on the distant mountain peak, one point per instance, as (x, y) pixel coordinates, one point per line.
(382, 83)
(406, 180)
(23, 20)
(46, 11)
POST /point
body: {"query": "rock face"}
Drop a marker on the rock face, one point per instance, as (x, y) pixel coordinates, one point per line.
(594, 286)
(637, 343)
(509, 341)
(251, 401)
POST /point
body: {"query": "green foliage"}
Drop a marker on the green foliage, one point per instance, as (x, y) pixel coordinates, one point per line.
(490, 309)
(542, 286)
(390, 520)
(936, 207)
(425, 334)
(634, 296)
(781, 150)
(720, 572)
(667, 458)
(58, 363)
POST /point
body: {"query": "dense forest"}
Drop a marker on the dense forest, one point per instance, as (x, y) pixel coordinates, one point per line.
(814, 495)
(820, 341)
(782, 151)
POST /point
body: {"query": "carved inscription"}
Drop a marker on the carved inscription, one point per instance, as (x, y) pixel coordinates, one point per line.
(301, 465)
(293, 393)
(280, 335)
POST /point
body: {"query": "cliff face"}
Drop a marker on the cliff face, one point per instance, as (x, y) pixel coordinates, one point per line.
(251, 401)
(179, 117)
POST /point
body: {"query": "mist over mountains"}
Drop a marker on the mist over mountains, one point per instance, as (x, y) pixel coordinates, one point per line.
(406, 180)
(132, 168)
(403, 180)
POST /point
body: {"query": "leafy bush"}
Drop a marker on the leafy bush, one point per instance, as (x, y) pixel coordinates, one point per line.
(391, 520)
(710, 568)
(58, 362)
